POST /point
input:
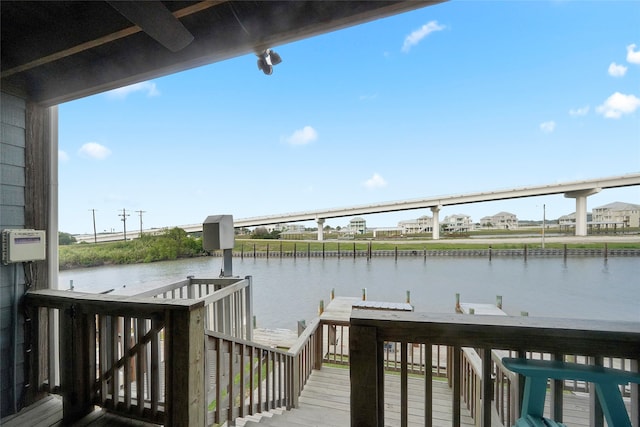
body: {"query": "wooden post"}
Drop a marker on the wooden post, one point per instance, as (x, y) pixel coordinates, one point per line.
(308, 250)
(565, 252)
(635, 396)
(321, 308)
(487, 387)
(557, 387)
(354, 250)
(396, 252)
(338, 250)
(489, 252)
(606, 251)
(184, 351)
(367, 377)
(295, 251)
(525, 251)
(267, 251)
(458, 309)
(280, 250)
(77, 336)
(408, 297)
(499, 301)
(322, 250)
(248, 303)
(364, 294)
(254, 250)
(333, 293)
(242, 251)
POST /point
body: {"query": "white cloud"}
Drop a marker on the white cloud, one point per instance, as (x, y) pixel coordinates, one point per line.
(633, 56)
(618, 104)
(548, 127)
(94, 150)
(149, 87)
(63, 156)
(616, 70)
(376, 181)
(302, 136)
(416, 36)
(581, 111)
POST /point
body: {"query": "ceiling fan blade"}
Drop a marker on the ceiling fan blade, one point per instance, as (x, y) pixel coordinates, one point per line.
(157, 21)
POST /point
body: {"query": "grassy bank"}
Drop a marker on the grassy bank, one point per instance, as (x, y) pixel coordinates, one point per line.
(175, 244)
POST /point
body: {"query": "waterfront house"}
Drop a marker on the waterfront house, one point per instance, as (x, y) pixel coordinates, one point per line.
(617, 213)
(501, 220)
(458, 223)
(423, 224)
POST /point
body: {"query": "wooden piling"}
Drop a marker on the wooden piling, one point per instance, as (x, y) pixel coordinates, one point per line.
(364, 294)
(525, 251)
(267, 251)
(458, 309)
(322, 250)
(242, 251)
(489, 252)
(396, 252)
(321, 308)
(606, 251)
(565, 252)
(354, 250)
(499, 301)
(254, 250)
(280, 250)
(295, 250)
(308, 250)
(333, 293)
(408, 297)
(338, 250)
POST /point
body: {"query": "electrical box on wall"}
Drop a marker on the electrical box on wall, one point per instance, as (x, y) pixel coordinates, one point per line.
(23, 245)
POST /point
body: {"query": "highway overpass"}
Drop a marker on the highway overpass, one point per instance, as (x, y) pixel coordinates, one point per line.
(579, 190)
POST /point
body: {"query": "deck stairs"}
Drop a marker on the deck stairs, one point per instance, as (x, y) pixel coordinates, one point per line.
(324, 402)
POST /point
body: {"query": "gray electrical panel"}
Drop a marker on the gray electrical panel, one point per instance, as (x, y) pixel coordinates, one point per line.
(218, 232)
(22, 245)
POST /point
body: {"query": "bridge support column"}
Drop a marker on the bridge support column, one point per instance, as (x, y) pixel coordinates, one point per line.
(320, 222)
(436, 222)
(581, 208)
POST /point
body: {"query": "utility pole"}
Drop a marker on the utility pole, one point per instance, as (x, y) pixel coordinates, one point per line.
(140, 213)
(544, 209)
(95, 236)
(124, 216)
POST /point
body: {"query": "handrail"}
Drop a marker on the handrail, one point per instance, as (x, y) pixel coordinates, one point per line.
(370, 329)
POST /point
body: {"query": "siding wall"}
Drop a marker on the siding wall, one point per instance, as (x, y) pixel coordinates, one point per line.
(12, 215)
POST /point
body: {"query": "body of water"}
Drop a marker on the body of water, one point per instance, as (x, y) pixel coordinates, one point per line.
(288, 290)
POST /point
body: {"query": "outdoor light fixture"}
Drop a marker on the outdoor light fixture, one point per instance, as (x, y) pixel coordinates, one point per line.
(267, 59)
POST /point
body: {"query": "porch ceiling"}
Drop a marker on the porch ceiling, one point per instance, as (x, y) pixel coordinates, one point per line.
(57, 51)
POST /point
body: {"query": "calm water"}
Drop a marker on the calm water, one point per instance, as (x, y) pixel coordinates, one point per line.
(287, 290)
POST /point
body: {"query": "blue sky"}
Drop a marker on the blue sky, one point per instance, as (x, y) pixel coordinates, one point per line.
(449, 99)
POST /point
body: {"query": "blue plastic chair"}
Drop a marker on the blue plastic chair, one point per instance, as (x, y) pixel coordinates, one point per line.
(537, 372)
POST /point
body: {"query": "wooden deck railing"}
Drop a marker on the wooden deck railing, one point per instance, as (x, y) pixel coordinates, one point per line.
(370, 330)
(228, 302)
(245, 378)
(139, 357)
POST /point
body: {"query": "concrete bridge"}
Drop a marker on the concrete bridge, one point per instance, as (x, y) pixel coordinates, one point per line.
(578, 190)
